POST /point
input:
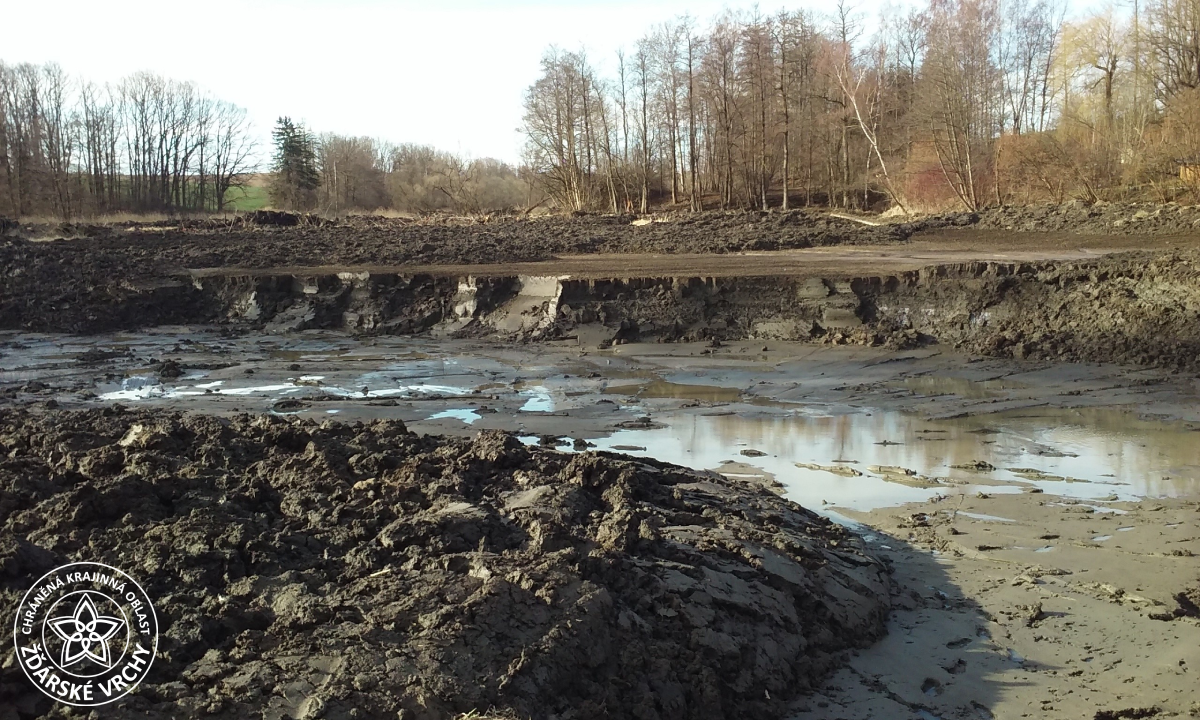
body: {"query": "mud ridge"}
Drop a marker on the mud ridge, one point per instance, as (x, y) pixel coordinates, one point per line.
(350, 570)
(1133, 308)
(1139, 308)
(1101, 217)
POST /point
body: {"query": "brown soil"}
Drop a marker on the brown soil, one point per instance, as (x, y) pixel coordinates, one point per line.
(349, 570)
(71, 277)
(1051, 294)
(159, 248)
(1106, 218)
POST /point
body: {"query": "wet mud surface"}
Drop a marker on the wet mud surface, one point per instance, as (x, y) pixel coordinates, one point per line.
(830, 425)
(447, 565)
(1031, 606)
(349, 570)
(418, 469)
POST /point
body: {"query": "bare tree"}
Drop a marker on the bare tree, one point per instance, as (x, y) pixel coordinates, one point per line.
(857, 79)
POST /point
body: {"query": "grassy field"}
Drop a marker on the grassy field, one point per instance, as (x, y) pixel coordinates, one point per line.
(246, 199)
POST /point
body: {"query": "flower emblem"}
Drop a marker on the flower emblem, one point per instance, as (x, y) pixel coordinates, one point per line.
(86, 633)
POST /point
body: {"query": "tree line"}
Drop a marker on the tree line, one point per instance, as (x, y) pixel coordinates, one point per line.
(335, 173)
(967, 102)
(71, 148)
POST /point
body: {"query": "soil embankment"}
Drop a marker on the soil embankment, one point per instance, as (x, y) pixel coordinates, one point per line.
(376, 276)
(1145, 219)
(1139, 308)
(349, 570)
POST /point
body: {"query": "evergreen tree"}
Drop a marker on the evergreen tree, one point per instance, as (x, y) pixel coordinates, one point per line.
(295, 178)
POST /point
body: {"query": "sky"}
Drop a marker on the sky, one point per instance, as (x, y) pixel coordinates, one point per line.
(451, 74)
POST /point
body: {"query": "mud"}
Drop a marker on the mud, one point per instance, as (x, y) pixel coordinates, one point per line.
(359, 276)
(310, 568)
(281, 239)
(348, 570)
(1136, 309)
(1106, 218)
(1052, 609)
(107, 277)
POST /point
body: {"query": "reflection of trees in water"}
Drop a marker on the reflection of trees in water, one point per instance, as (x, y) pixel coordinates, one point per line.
(1153, 457)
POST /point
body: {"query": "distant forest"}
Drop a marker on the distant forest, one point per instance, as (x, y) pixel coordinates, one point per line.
(147, 144)
(70, 148)
(960, 102)
(335, 173)
(964, 103)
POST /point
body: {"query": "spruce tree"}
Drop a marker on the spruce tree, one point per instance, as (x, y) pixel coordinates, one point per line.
(295, 177)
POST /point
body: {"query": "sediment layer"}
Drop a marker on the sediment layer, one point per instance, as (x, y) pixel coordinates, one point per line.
(377, 276)
(1135, 308)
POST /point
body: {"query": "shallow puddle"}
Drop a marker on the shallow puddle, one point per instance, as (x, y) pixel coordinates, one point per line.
(539, 400)
(1103, 465)
(705, 442)
(466, 415)
(985, 518)
(856, 455)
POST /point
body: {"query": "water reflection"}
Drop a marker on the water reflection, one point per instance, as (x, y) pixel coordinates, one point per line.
(144, 387)
(1094, 455)
(969, 389)
(467, 415)
(677, 391)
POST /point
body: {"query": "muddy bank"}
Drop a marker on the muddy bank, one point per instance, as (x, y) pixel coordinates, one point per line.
(302, 569)
(155, 249)
(358, 275)
(1031, 605)
(1103, 218)
(1131, 308)
(1135, 308)
(106, 277)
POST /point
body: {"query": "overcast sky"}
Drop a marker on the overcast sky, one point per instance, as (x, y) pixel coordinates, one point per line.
(452, 76)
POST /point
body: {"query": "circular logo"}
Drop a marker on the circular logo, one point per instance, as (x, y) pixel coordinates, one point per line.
(86, 634)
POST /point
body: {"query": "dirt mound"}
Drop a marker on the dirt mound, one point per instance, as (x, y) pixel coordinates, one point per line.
(362, 571)
(1099, 218)
(272, 217)
(276, 218)
(273, 239)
